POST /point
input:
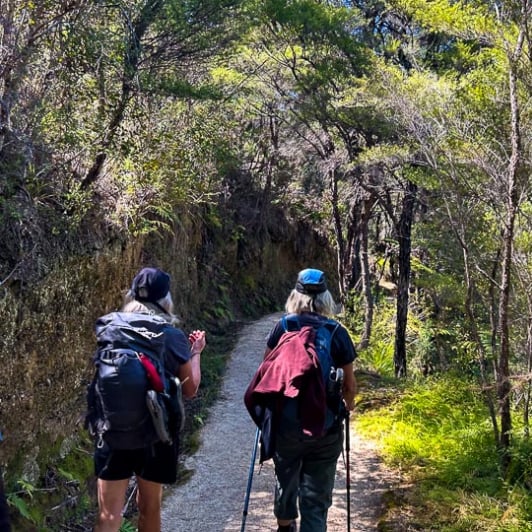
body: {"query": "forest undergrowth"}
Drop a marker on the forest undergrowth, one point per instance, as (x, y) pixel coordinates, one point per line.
(437, 434)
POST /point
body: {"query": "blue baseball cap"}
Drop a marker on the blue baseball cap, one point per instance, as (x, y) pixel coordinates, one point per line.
(311, 282)
(154, 281)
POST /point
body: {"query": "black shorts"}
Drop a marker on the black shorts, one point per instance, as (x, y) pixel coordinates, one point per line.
(156, 463)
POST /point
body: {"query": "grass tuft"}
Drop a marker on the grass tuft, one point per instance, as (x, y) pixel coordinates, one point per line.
(437, 433)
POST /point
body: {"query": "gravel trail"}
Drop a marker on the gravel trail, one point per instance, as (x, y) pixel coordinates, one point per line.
(213, 499)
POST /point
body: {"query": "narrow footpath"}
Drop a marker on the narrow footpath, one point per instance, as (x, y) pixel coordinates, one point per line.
(213, 499)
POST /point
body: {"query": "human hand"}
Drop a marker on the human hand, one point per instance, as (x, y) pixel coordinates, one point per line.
(197, 341)
(349, 400)
(350, 405)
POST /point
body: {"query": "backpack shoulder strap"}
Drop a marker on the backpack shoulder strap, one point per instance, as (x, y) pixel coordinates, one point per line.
(334, 325)
(329, 324)
(329, 328)
(290, 322)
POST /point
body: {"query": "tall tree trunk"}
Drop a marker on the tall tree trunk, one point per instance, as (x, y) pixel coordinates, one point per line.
(503, 366)
(526, 409)
(269, 158)
(365, 273)
(486, 382)
(6, 65)
(404, 230)
(351, 256)
(338, 231)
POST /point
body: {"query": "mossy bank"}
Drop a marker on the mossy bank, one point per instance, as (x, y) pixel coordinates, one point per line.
(220, 274)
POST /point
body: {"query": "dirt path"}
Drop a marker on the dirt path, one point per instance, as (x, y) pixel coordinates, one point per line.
(213, 499)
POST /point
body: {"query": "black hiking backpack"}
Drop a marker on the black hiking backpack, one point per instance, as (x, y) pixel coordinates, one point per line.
(130, 397)
(332, 376)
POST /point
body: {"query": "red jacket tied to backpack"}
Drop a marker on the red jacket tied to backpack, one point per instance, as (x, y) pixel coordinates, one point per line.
(290, 370)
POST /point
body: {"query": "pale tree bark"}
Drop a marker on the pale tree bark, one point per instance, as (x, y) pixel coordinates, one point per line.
(338, 232)
(512, 203)
(353, 246)
(7, 51)
(528, 390)
(353, 252)
(365, 273)
(523, 270)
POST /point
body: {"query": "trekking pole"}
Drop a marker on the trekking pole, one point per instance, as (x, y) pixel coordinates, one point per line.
(336, 380)
(131, 495)
(250, 479)
(347, 470)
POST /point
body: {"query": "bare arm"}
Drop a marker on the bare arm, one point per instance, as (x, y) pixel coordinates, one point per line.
(190, 372)
(349, 388)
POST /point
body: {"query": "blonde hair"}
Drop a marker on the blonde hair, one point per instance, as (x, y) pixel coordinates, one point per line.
(163, 308)
(322, 303)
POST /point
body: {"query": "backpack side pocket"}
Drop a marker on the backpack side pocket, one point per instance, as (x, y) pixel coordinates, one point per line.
(159, 415)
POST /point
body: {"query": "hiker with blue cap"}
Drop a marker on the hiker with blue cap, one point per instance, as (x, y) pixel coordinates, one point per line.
(140, 452)
(299, 397)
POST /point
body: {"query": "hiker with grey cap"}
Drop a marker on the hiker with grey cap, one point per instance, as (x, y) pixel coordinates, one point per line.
(288, 398)
(155, 463)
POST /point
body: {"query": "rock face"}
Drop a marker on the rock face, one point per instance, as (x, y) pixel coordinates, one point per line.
(46, 328)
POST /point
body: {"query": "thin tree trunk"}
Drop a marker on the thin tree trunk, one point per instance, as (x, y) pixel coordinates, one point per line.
(473, 329)
(526, 410)
(6, 52)
(404, 231)
(337, 225)
(503, 366)
(471, 321)
(270, 157)
(351, 257)
(366, 274)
